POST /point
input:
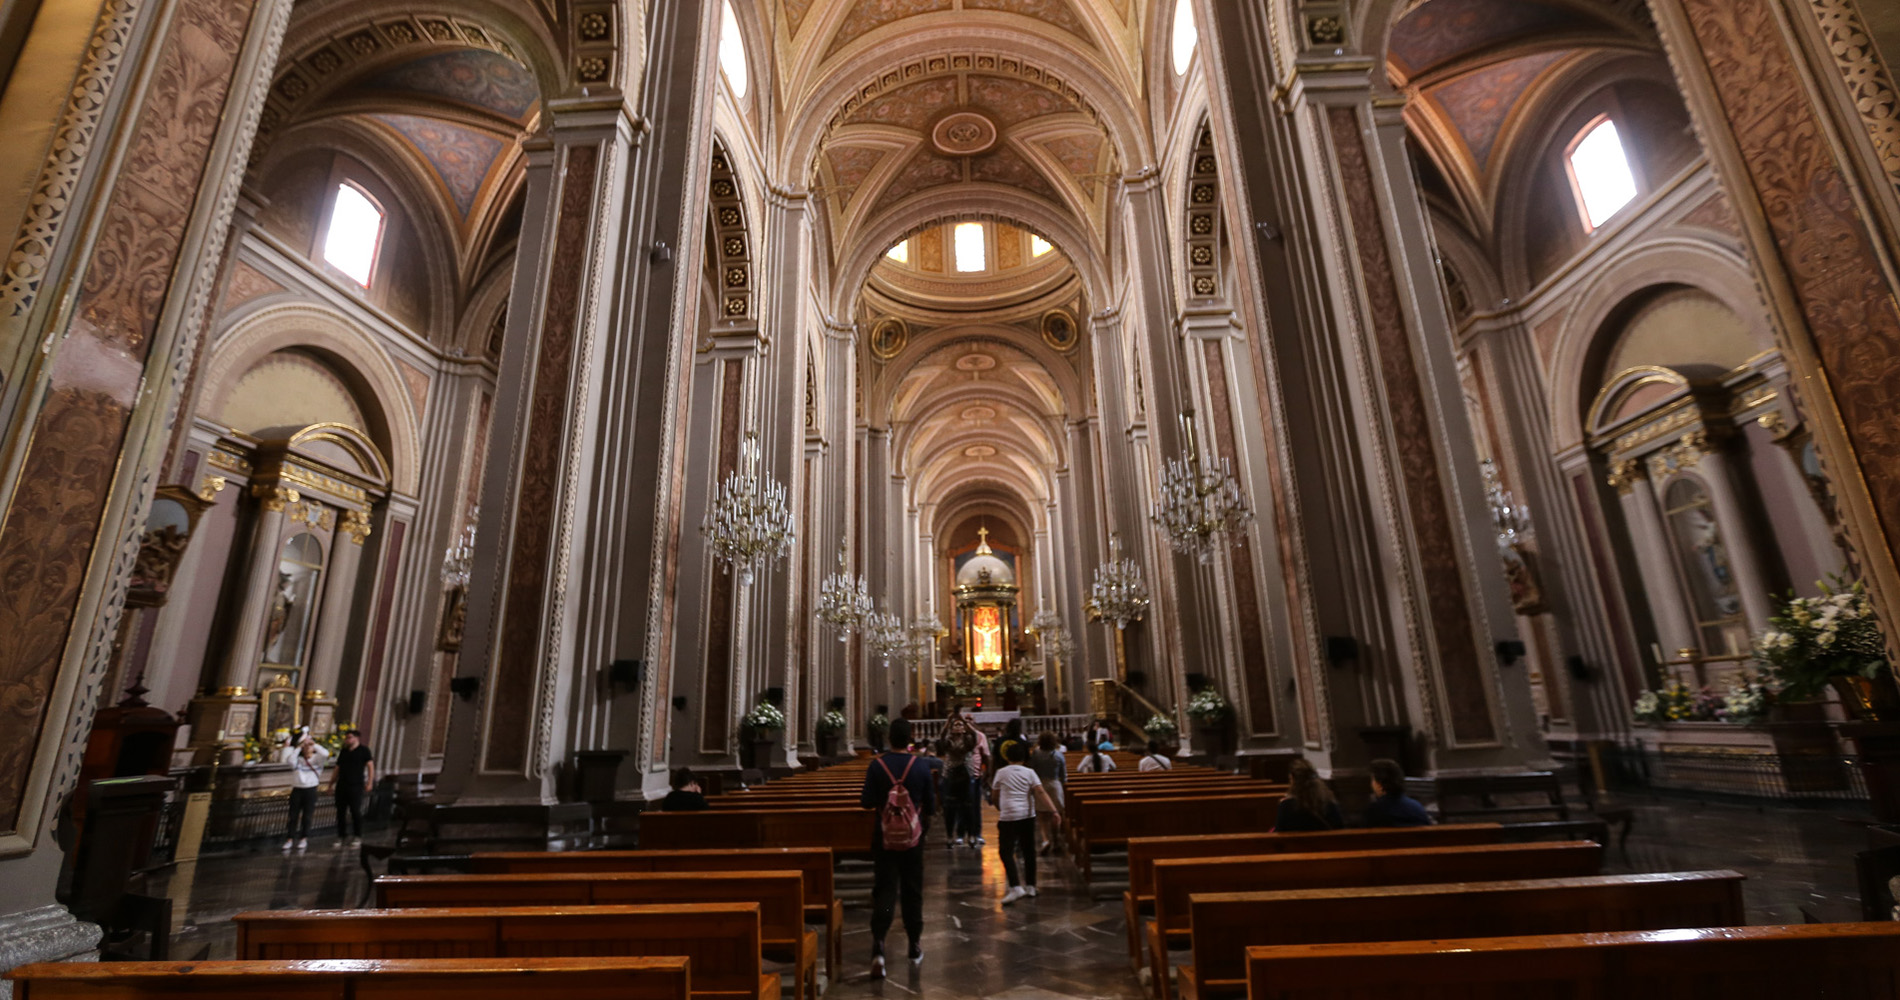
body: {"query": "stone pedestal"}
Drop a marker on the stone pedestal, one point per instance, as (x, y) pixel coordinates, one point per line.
(47, 934)
(1877, 745)
(219, 723)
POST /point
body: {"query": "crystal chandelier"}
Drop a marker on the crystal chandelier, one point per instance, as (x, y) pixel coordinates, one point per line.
(1052, 635)
(884, 636)
(460, 557)
(1511, 519)
(844, 601)
(924, 630)
(749, 522)
(1117, 596)
(1197, 505)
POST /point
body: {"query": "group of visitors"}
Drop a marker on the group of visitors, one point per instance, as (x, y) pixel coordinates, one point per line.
(355, 772)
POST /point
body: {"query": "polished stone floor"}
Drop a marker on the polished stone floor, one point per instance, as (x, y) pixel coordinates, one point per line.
(1068, 942)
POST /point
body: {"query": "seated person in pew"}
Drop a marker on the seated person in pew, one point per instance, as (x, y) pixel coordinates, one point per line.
(686, 795)
(1309, 804)
(1098, 761)
(1390, 805)
(1157, 758)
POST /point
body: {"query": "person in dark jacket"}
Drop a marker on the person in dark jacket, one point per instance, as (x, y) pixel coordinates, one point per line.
(686, 795)
(899, 872)
(1390, 805)
(1309, 805)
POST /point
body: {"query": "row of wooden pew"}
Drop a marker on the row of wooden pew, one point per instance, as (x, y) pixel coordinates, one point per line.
(1226, 908)
(705, 923)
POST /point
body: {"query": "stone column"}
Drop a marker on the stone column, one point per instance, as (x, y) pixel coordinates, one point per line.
(582, 508)
(1763, 78)
(334, 616)
(1384, 512)
(127, 203)
(220, 719)
(1675, 629)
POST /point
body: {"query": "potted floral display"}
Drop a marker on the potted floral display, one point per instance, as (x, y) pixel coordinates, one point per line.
(1210, 713)
(876, 729)
(830, 728)
(1833, 640)
(764, 722)
(1160, 729)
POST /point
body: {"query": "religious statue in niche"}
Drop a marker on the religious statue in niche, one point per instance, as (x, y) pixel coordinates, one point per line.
(1527, 594)
(454, 617)
(986, 654)
(280, 608)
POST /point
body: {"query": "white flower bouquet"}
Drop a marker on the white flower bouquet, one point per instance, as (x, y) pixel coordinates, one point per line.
(765, 715)
(1207, 706)
(1815, 639)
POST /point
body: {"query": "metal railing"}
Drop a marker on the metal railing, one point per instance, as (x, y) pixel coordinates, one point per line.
(1033, 725)
(1763, 775)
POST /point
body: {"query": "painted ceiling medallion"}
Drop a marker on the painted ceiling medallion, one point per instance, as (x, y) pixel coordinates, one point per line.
(978, 413)
(963, 133)
(1058, 330)
(979, 451)
(976, 363)
(888, 338)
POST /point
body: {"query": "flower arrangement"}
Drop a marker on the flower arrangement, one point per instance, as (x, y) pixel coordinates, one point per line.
(831, 723)
(1207, 706)
(1747, 700)
(333, 741)
(765, 715)
(879, 723)
(1675, 703)
(1815, 639)
(1160, 727)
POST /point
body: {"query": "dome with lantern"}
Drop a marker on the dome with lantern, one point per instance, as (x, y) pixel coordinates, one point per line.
(985, 570)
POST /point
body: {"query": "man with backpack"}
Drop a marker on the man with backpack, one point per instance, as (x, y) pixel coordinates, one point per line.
(897, 785)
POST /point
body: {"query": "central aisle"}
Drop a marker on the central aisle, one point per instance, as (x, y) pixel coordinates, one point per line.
(1059, 944)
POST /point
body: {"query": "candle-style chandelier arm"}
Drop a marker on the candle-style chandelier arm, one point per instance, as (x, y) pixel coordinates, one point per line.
(1118, 594)
(459, 559)
(750, 522)
(1198, 506)
(844, 600)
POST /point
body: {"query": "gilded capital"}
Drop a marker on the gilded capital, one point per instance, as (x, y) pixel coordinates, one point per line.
(209, 489)
(275, 498)
(356, 525)
(1624, 475)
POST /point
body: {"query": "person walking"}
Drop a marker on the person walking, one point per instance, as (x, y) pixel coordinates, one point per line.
(897, 785)
(959, 779)
(306, 759)
(355, 774)
(979, 782)
(1018, 793)
(1052, 766)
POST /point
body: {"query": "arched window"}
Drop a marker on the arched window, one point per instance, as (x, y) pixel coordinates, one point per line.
(1186, 36)
(1038, 246)
(1600, 172)
(732, 52)
(972, 250)
(355, 234)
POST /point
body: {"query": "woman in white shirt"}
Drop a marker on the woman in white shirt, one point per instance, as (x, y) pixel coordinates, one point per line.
(306, 759)
(1156, 760)
(1017, 792)
(1098, 760)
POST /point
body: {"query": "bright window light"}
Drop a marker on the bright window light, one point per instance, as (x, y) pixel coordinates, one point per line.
(356, 234)
(899, 253)
(1186, 36)
(1038, 246)
(972, 255)
(1601, 171)
(732, 52)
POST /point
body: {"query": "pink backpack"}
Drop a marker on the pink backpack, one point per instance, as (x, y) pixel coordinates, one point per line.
(898, 818)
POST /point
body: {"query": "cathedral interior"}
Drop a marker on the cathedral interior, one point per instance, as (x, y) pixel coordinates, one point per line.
(559, 393)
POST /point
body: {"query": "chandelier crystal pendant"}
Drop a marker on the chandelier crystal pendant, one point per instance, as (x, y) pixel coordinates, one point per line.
(884, 636)
(924, 631)
(749, 522)
(1511, 519)
(459, 558)
(1199, 506)
(844, 601)
(1118, 596)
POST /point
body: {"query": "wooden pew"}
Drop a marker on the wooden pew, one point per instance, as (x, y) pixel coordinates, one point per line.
(1143, 852)
(822, 906)
(1227, 924)
(1530, 804)
(780, 896)
(1112, 822)
(1177, 879)
(721, 940)
(1837, 961)
(1081, 802)
(847, 832)
(392, 979)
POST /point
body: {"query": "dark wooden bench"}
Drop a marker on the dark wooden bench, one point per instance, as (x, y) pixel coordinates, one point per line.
(1143, 852)
(1178, 879)
(1079, 802)
(822, 906)
(1530, 804)
(1836, 961)
(780, 896)
(1112, 823)
(720, 939)
(1227, 924)
(392, 979)
(847, 832)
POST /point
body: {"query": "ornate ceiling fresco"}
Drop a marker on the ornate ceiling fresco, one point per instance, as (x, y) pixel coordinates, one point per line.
(1477, 67)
